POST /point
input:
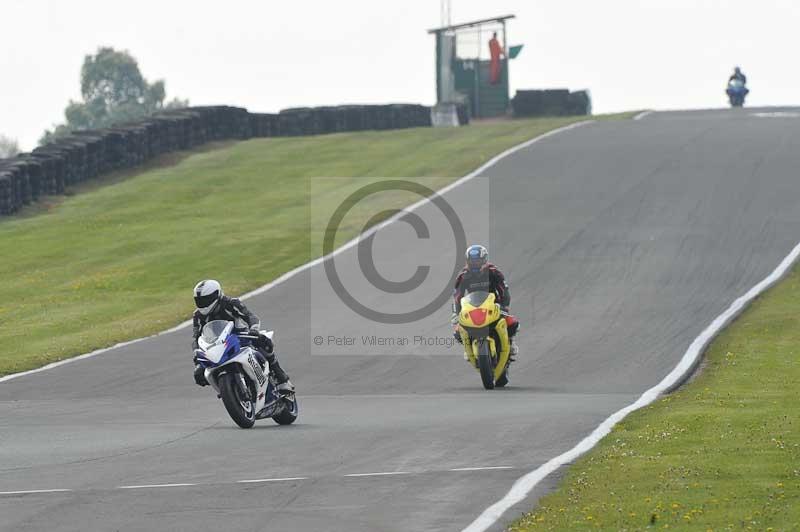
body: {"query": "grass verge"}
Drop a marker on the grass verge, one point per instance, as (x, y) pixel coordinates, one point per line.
(722, 453)
(117, 262)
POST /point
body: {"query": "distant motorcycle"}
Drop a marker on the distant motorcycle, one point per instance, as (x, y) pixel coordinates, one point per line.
(736, 92)
(233, 370)
(484, 332)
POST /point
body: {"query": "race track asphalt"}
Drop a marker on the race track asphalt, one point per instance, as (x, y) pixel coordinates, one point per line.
(621, 240)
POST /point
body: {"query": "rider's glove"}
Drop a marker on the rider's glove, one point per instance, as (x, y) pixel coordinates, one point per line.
(200, 375)
(264, 342)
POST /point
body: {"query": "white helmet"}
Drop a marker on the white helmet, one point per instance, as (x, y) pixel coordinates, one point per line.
(206, 295)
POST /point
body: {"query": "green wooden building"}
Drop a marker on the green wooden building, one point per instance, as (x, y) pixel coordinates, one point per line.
(464, 66)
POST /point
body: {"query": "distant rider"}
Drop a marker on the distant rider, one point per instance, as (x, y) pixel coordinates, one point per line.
(212, 305)
(738, 75)
(480, 274)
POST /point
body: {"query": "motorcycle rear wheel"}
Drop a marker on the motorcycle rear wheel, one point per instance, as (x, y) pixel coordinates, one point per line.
(485, 365)
(289, 413)
(241, 409)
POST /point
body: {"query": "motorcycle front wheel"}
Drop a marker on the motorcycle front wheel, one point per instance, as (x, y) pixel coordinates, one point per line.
(238, 404)
(485, 365)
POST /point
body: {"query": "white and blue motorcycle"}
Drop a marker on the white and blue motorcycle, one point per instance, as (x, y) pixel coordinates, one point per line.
(233, 370)
(736, 92)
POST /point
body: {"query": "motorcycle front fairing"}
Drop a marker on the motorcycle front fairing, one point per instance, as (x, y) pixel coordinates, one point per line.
(737, 86)
(221, 350)
(737, 92)
(480, 320)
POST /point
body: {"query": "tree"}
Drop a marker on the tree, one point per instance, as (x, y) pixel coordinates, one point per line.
(8, 147)
(113, 91)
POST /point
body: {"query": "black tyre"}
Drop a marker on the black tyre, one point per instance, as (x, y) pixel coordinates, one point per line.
(485, 365)
(289, 412)
(241, 409)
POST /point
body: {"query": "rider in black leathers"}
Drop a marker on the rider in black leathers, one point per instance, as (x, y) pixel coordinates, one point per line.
(738, 74)
(214, 305)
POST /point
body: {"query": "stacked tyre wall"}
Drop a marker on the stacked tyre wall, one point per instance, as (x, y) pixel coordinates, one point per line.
(53, 168)
(555, 102)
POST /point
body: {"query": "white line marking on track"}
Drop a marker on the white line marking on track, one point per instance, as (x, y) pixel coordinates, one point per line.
(643, 114)
(265, 480)
(383, 474)
(255, 480)
(146, 486)
(288, 275)
(25, 492)
(523, 486)
(777, 114)
(481, 468)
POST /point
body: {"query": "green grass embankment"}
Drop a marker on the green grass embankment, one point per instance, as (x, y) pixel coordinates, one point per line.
(117, 261)
(722, 453)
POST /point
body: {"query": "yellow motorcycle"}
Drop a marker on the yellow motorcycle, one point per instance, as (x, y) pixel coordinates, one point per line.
(484, 332)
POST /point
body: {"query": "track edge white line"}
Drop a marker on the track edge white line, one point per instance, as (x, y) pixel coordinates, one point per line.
(688, 363)
(643, 114)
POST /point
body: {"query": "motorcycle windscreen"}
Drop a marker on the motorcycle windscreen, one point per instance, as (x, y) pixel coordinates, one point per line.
(214, 332)
(476, 299)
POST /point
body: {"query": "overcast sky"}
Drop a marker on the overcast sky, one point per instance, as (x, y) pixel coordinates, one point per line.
(266, 55)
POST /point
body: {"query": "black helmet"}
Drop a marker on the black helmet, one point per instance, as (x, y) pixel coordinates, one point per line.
(477, 257)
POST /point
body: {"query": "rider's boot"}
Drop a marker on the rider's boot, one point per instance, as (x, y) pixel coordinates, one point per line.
(513, 328)
(284, 384)
(200, 375)
(512, 355)
(457, 336)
